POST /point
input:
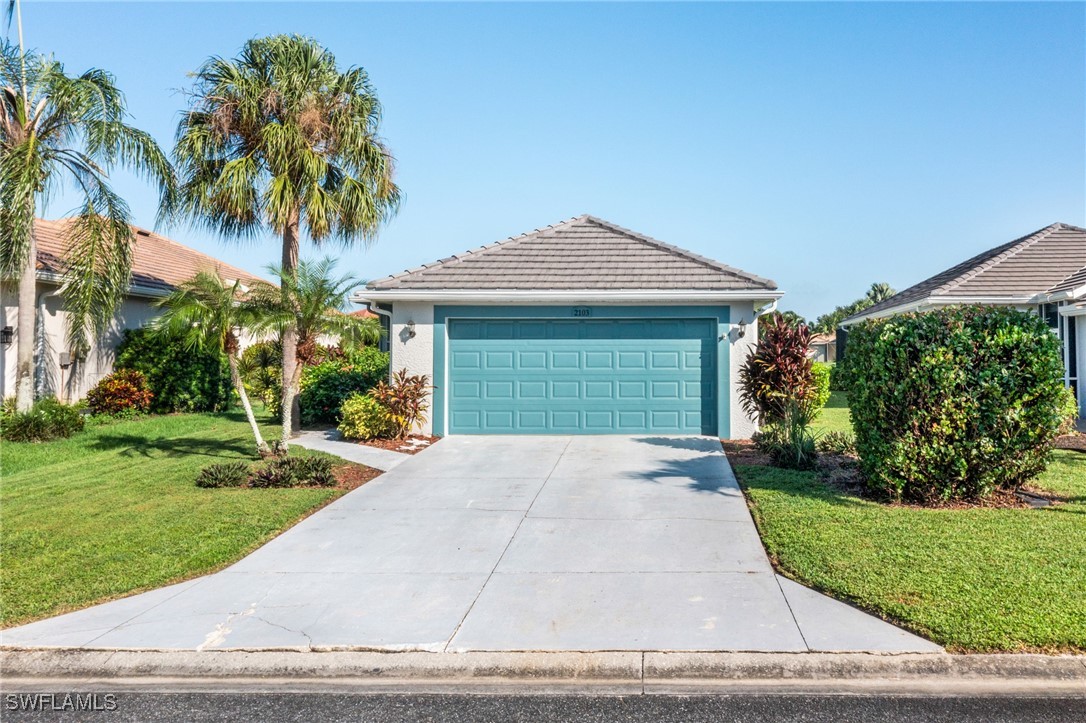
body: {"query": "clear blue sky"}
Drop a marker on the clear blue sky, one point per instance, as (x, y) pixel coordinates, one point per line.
(825, 146)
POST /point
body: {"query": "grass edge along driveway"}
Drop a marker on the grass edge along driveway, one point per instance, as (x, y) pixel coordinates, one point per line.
(114, 511)
(972, 580)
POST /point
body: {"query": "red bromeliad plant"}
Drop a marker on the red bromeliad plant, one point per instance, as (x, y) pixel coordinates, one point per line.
(405, 399)
(777, 372)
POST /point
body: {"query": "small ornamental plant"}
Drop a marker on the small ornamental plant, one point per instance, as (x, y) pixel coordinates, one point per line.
(122, 393)
(778, 372)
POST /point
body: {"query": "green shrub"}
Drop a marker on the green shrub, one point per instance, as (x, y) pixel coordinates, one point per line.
(181, 379)
(820, 373)
(777, 371)
(954, 403)
(839, 376)
(836, 443)
(47, 419)
(363, 417)
(230, 474)
(789, 441)
(1068, 411)
(122, 393)
(325, 386)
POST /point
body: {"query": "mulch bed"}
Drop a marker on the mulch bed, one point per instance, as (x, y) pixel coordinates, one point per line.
(353, 476)
(1074, 441)
(401, 445)
(842, 472)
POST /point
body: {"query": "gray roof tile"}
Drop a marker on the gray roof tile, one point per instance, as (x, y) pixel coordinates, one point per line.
(584, 253)
(1038, 263)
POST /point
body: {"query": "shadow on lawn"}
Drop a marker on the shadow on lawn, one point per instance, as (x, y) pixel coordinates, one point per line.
(133, 445)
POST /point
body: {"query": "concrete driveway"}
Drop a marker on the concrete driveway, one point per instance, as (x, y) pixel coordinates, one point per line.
(504, 543)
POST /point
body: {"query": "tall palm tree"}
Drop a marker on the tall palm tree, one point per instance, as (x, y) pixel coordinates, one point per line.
(57, 128)
(310, 301)
(207, 313)
(280, 138)
(879, 292)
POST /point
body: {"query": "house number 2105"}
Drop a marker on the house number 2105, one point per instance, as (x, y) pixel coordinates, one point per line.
(582, 311)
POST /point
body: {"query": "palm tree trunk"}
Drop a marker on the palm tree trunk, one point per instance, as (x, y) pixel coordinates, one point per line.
(235, 376)
(290, 409)
(24, 359)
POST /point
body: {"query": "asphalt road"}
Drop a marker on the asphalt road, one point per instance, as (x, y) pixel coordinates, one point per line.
(372, 708)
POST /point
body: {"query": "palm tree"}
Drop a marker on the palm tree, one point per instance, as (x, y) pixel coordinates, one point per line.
(310, 301)
(54, 128)
(280, 138)
(879, 292)
(207, 313)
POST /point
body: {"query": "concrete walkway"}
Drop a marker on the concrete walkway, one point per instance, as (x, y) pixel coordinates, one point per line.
(504, 544)
(332, 442)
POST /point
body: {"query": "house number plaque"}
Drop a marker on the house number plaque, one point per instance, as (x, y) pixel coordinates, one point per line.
(581, 311)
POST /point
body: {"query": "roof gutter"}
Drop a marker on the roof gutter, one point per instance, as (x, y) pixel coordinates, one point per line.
(563, 295)
(133, 289)
(932, 302)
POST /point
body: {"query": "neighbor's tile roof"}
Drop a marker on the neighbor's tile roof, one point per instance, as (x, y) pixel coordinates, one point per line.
(1039, 263)
(158, 262)
(582, 253)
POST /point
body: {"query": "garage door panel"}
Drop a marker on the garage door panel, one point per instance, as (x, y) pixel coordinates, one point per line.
(584, 376)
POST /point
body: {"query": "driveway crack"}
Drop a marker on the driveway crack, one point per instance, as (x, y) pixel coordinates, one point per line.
(507, 545)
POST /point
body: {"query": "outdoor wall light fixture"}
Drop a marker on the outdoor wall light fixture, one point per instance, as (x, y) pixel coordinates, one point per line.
(742, 328)
(411, 329)
(7, 335)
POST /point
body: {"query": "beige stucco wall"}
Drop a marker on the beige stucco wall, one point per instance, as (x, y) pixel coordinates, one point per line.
(72, 383)
(417, 354)
(742, 425)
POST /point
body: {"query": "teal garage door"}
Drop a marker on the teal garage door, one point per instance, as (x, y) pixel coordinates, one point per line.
(582, 376)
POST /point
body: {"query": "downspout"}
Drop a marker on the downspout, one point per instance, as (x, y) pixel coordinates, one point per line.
(388, 315)
(39, 375)
(765, 309)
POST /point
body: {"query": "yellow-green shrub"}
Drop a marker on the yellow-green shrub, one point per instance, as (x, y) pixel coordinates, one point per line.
(363, 417)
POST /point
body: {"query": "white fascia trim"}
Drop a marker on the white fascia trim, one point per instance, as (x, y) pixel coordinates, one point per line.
(1073, 310)
(133, 290)
(565, 295)
(931, 302)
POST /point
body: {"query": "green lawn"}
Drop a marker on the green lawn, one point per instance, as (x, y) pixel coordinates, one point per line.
(834, 417)
(972, 579)
(114, 510)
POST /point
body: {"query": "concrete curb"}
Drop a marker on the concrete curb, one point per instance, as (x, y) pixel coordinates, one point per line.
(603, 672)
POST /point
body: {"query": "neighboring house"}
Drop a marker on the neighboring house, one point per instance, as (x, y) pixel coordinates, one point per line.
(1044, 272)
(583, 327)
(823, 348)
(158, 264)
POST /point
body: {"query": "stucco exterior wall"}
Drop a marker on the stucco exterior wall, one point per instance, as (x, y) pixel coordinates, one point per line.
(72, 383)
(742, 425)
(416, 354)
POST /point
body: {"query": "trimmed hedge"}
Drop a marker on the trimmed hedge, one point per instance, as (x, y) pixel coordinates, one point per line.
(954, 403)
(821, 372)
(182, 379)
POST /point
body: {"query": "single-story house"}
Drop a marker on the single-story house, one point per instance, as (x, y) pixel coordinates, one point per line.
(1043, 272)
(823, 348)
(583, 327)
(158, 264)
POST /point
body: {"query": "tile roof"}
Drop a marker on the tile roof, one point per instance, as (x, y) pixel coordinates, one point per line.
(1039, 263)
(583, 253)
(158, 263)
